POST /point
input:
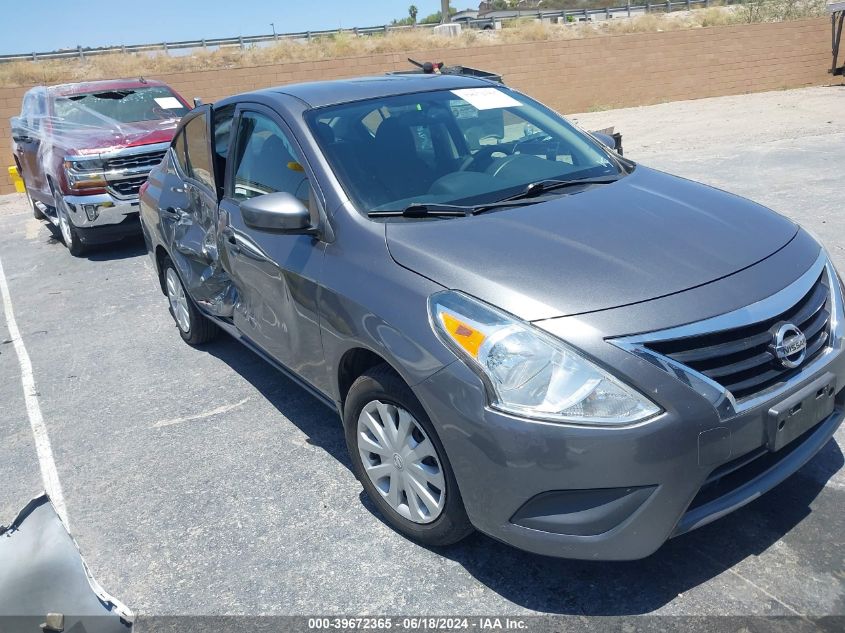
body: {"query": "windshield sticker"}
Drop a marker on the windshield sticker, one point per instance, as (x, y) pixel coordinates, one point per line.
(171, 103)
(486, 98)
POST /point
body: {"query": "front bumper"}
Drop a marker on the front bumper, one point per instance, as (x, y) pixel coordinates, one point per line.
(102, 218)
(609, 493)
(100, 210)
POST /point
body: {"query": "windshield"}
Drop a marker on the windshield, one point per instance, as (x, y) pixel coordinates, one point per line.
(451, 147)
(131, 105)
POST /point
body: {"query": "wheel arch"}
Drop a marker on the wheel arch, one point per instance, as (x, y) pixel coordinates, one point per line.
(353, 364)
(160, 255)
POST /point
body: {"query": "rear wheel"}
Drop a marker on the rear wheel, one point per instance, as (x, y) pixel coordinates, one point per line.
(194, 328)
(400, 461)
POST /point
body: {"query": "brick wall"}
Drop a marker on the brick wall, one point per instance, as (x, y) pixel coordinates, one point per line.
(569, 75)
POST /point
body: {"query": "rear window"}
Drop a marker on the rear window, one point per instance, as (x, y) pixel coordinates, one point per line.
(131, 105)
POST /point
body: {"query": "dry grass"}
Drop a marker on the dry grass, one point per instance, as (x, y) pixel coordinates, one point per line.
(347, 45)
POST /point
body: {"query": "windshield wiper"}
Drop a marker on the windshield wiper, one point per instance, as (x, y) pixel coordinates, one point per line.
(528, 196)
(435, 209)
(536, 188)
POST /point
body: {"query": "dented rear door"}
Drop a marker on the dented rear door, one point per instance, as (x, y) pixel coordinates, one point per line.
(189, 215)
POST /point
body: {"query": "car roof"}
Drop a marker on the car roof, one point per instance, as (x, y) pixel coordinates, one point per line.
(322, 93)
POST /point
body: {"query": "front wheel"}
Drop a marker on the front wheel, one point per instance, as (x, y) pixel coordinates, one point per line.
(194, 328)
(400, 461)
(70, 236)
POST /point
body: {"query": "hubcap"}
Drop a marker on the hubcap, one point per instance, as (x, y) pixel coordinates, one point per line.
(178, 300)
(401, 462)
(64, 225)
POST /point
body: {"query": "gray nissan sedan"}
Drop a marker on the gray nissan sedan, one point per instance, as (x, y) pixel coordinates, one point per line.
(522, 331)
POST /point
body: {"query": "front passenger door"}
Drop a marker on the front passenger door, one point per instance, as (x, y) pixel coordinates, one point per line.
(275, 274)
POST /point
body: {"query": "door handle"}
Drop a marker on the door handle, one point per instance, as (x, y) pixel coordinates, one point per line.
(175, 189)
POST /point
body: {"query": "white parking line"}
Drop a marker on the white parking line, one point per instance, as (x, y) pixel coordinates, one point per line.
(200, 416)
(49, 474)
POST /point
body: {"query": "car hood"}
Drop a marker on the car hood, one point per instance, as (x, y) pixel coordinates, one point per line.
(646, 236)
(105, 139)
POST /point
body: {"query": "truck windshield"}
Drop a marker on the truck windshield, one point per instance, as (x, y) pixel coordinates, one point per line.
(468, 147)
(131, 105)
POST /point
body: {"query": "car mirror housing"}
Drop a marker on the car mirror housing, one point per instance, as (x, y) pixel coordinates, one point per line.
(278, 212)
(20, 134)
(609, 140)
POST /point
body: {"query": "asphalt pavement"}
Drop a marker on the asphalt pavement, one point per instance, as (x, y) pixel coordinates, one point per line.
(204, 482)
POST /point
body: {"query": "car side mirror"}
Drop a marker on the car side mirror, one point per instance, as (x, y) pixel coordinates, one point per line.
(611, 141)
(278, 212)
(20, 135)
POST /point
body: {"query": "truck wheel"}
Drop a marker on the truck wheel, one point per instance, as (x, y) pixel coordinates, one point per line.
(194, 328)
(69, 234)
(398, 458)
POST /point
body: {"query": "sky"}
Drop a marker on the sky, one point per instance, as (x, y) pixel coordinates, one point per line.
(68, 23)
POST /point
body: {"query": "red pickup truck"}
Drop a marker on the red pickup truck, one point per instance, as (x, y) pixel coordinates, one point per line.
(84, 150)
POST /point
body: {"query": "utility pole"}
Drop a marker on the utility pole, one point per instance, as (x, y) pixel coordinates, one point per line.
(445, 18)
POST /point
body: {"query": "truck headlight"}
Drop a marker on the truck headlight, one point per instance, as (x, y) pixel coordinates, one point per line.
(530, 373)
(85, 175)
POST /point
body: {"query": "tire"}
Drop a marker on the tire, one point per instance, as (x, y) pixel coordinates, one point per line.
(382, 386)
(70, 236)
(194, 328)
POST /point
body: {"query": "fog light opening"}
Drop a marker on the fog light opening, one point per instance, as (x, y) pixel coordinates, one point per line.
(91, 211)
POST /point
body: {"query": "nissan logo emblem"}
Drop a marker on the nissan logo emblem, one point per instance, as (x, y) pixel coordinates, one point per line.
(789, 346)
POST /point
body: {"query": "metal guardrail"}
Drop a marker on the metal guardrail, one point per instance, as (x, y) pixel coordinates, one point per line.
(244, 41)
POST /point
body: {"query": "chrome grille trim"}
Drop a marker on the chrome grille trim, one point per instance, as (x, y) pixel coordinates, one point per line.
(742, 359)
(126, 171)
(137, 161)
(779, 303)
(126, 187)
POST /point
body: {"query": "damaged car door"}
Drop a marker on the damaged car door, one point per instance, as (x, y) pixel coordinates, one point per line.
(189, 214)
(274, 268)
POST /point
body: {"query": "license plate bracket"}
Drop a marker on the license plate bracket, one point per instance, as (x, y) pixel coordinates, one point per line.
(793, 416)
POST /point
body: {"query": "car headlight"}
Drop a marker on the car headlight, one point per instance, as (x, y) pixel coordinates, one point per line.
(530, 373)
(85, 175)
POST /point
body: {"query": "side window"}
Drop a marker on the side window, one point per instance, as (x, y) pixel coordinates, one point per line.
(28, 111)
(267, 161)
(178, 146)
(199, 164)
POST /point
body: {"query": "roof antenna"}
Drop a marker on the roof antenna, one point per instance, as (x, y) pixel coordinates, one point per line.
(142, 80)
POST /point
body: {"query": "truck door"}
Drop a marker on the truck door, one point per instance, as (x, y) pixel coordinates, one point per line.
(28, 133)
(275, 274)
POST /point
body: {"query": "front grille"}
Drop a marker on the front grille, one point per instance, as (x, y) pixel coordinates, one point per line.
(133, 161)
(127, 187)
(126, 174)
(740, 359)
